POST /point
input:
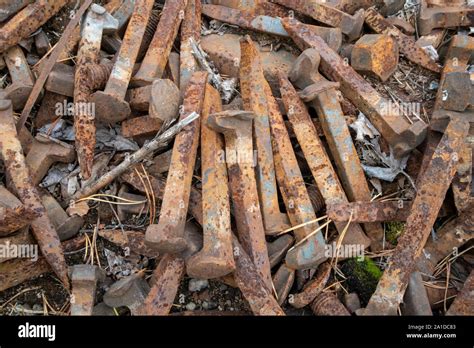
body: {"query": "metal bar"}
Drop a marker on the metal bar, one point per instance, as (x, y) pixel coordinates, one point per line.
(168, 235)
(252, 82)
(432, 189)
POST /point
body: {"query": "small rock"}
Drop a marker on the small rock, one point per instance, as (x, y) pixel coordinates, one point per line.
(223, 287)
(37, 307)
(205, 305)
(191, 306)
(197, 284)
(228, 303)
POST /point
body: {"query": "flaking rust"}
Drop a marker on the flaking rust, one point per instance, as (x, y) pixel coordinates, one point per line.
(110, 104)
(169, 272)
(168, 235)
(267, 24)
(27, 21)
(97, 19)
(387, 118)
(216, 257)
(253, 287)
(464, 302)
(20, 179)
(448, 15)
(252, 84)
(154, 63)
(431, 192)
(407, 45)
(318, 161)
(350, 25)
(369, 211)
(305, 75)
(237, 129)
(190, 30)
(295, 196)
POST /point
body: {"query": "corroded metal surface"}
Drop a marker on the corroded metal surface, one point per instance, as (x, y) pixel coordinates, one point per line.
(295, 196)
(328, 304)
(141, 127)
(237, 129)
(44, 152)
(249, 280)
(110, 105)
(407, 45)
(415, 300)
(13, 214)
(318, 161)
(9, 8)
(21, 76)
(252, 84)
(267, 24)
(305, 74)
(283, 280)
(278, 248)
(168, 275)
(66, 226)
(14, 272)
(432, 189)
(216, 257)
(133, 240)
(447, 16)
(224, 51)
(96, 21)
(18, 239)
(27, 21)
(369, 211)
(452, 236)
(350, 25)
(20, 179)
(84, 281)
(352, 6)
(457, 59)
(313, 288)
(462, 182)
(167, 235)
(154, 63)
(191, 29)
(464, 302)
(375, 55)
(130, 292)
(398, 132)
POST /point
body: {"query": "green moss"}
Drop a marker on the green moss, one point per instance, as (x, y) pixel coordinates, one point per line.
(362, 277)
(393, 231)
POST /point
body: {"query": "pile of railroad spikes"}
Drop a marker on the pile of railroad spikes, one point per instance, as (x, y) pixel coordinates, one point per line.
(252, 171)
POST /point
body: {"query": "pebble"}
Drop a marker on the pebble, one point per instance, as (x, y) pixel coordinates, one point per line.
(197, 284)
(191, 306)
(205, 305)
